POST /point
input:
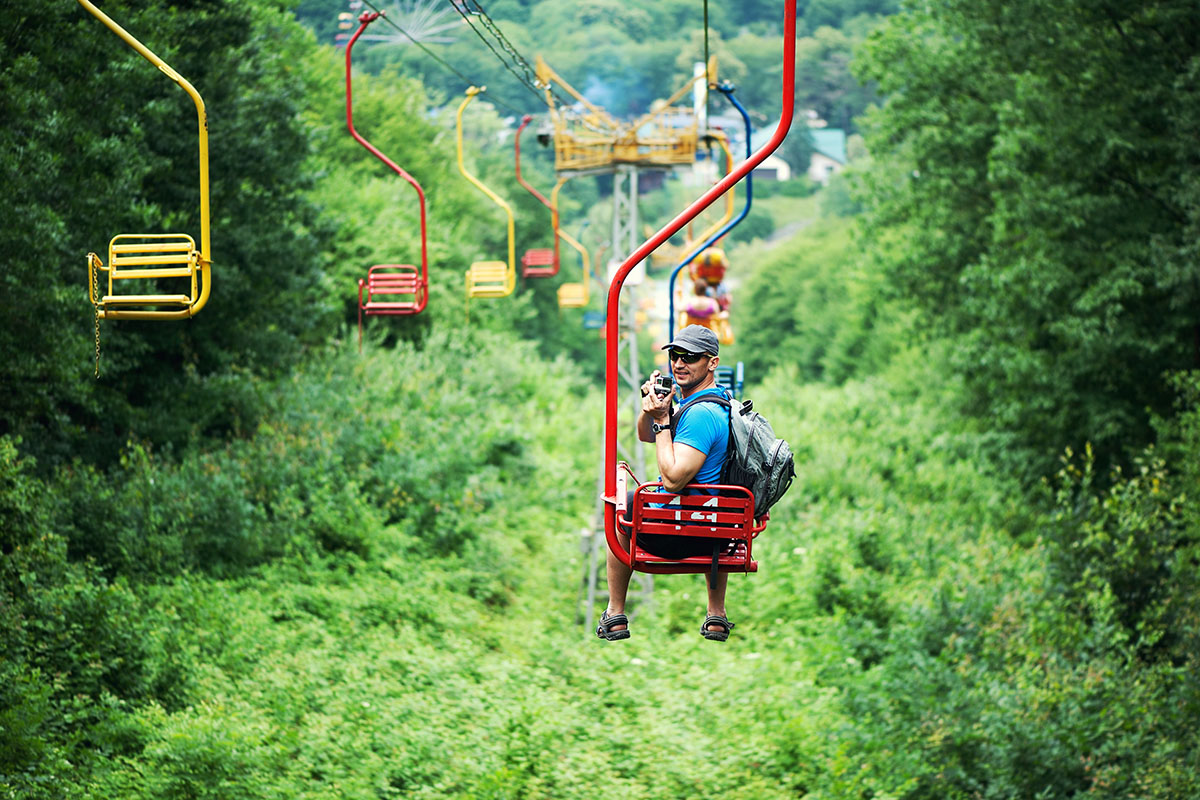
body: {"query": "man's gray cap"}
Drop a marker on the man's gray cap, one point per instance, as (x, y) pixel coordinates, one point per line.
(695, 339)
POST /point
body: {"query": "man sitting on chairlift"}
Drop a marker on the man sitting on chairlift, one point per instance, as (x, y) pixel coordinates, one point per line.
(692, 453)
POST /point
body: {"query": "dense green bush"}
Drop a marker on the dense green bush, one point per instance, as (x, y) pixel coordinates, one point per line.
(1026, 195)
(814, 303)
(754, 226)
(79, 651)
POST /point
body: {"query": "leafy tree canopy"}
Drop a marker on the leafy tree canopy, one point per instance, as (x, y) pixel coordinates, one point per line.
(1038, 162)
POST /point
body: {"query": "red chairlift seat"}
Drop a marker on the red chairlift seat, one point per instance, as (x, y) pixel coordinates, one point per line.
(391, 290)
(725, 516)
(538, 263)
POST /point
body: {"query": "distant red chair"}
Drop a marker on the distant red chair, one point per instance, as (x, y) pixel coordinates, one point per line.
(539, 262)
(391, 290)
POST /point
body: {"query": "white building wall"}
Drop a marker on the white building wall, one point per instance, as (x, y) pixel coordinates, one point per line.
(822, 167)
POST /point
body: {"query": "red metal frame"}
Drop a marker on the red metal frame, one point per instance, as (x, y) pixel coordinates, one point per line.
(419, 283)
(534, 263)
(612, 323)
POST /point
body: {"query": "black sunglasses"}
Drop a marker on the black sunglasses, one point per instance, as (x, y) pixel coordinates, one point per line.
(685, 356)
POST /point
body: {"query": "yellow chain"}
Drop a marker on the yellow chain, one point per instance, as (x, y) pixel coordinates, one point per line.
(97, 346)
(95, 262)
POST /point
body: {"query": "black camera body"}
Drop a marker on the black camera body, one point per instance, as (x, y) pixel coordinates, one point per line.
(663, 385)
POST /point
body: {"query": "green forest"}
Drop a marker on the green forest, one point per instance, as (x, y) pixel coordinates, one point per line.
(241, 558)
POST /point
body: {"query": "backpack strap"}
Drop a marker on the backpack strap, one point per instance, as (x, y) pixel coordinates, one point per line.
(708, 398)
(721, 401)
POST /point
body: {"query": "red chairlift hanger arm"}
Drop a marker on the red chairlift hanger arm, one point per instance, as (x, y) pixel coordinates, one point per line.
(612, 323)
(363, 21)
(525, 120)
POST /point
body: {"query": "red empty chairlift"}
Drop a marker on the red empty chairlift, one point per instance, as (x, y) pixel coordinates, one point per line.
(389, 289)
(540, 262)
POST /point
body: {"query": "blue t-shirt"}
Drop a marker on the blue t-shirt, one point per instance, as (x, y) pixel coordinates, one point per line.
(706, 428)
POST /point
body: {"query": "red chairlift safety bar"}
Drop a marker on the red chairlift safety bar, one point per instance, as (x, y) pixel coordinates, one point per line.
(612, 324)
(540, 262)
(388, 280)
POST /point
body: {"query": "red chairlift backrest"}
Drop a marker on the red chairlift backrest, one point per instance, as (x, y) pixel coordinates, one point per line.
(363, 21)
(525, 120)
(613, 321)
(727, 518)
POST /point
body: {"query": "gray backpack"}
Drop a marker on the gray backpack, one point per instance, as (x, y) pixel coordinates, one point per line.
(755, 459)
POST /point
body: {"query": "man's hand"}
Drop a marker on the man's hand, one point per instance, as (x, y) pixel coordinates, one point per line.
(658, 408)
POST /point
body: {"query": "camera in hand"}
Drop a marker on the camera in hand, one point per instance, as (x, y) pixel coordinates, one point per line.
(662, 385)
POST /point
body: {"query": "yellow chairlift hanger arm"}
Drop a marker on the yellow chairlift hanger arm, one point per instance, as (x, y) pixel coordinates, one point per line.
(571, 295)
(487, 278)
(723, 140)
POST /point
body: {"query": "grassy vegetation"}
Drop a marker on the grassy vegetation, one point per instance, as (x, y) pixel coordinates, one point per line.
(373, 595)
(250, 563)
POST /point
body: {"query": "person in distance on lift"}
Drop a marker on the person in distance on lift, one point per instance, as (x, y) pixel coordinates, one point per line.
(695, 453)
(701, 308)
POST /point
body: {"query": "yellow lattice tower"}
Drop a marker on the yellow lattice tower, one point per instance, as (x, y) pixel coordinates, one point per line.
(586, 137)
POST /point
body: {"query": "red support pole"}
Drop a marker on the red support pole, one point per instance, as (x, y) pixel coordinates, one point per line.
(612, 325)
(363, 21)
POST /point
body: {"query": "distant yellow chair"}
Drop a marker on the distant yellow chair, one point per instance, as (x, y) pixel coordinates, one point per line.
(155, 256)
(487, 278)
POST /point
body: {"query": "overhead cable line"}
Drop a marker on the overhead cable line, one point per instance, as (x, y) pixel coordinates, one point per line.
(530, 78)
(430, 53)
(707, 77)
(466, 12)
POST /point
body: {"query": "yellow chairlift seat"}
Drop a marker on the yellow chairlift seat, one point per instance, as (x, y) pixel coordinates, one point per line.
(572, 295)
(723, 329)
(155, 257)
(133, 256)
(488, 279)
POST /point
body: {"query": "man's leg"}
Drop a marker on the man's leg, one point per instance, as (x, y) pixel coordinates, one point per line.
(619, 575)
(716, 597)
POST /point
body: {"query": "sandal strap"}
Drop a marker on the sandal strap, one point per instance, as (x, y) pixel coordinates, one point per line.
(616, 619)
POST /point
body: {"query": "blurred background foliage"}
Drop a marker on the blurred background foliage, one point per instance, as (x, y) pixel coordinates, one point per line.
(249, 562)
